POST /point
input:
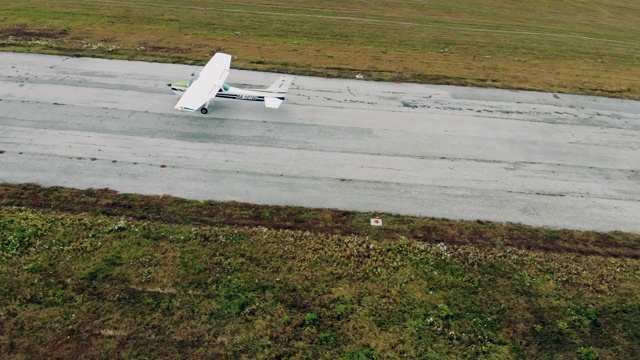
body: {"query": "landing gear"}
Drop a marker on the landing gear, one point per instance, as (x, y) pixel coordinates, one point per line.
(205, 108)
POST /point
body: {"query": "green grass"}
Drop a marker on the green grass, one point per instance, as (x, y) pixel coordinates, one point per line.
(565, 46)
(95, 274)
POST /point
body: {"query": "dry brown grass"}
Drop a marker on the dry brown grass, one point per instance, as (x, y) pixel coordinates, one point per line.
(561, 47)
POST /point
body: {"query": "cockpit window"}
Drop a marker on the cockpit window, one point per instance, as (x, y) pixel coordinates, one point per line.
(192, 80)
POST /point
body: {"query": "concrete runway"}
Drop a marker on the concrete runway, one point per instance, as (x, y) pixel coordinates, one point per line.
(560, 161)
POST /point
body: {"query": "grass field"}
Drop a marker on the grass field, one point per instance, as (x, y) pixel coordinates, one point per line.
(569, 46)
(95, 274)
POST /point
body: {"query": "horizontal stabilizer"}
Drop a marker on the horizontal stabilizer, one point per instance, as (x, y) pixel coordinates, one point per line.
(272, 102)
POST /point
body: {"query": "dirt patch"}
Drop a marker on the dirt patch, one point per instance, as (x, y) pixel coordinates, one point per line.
(168, 50)
(28, 32)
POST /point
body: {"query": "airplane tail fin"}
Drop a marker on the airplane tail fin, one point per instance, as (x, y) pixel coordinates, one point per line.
(281, 85)
(278, 90)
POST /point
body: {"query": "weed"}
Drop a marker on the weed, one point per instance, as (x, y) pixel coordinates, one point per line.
(92, 273)
(311, 319)
(326, 338)
(444, 311)
(340, 308)
(587, 354)
(366, 353)
(32, 268)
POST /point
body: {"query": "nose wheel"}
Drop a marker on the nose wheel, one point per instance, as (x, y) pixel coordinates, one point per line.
(204, 110)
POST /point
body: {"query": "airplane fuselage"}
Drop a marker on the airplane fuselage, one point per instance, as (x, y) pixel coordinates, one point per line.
(230, 92)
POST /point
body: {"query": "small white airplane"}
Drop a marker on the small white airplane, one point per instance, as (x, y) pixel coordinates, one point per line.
(197, 93)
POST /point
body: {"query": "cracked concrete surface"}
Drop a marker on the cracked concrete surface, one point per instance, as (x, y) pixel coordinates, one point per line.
(555, 160)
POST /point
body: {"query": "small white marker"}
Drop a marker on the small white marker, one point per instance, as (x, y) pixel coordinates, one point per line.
(376, 222)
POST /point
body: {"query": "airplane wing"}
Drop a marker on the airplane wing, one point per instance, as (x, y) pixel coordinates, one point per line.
(206, 85)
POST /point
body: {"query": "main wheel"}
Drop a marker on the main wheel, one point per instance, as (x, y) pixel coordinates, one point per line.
(204, 110)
